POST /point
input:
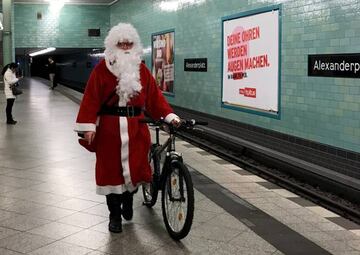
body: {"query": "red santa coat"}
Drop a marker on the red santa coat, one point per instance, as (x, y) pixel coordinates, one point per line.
(121, 143)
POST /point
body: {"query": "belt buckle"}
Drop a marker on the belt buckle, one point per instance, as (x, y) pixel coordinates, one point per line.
(128, 111)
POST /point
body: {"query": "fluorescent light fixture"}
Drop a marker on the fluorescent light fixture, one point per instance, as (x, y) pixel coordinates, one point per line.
(169, 6)
(62, 2)
(147, 50)
(98, 55)
(56, 5)
(40, 52)
(174, 5)
(1, 22)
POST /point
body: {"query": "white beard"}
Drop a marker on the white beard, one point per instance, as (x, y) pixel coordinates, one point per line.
(125, 65)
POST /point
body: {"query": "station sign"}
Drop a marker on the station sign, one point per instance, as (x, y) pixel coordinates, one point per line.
(334, 65)
(195, 64)
(95, 32)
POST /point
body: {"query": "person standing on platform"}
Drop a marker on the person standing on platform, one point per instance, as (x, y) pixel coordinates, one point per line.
(52, 70)
(119, 90)
(10, 79)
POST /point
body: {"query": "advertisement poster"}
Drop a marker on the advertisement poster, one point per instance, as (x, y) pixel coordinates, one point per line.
(251, 62)
(163, 60)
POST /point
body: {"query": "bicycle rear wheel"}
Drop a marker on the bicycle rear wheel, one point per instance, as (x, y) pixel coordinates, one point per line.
(150, 190)
(178, 201)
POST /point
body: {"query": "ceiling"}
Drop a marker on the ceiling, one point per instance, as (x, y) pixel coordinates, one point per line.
(102, 2)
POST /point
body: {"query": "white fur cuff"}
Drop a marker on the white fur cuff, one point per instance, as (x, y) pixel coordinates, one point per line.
(170, 117)
(83, 127)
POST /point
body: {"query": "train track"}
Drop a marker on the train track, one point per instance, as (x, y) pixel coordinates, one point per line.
(328, 200)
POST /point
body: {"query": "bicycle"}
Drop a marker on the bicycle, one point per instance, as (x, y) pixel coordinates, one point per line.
(171, 176)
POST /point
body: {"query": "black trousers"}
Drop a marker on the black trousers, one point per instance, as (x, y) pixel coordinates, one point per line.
(9, 106)
(113, 202)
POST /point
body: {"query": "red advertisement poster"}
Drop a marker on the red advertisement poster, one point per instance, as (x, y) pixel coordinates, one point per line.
(163, 60)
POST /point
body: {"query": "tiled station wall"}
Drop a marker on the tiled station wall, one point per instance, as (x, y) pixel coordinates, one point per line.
(67, 28)
(325, 110)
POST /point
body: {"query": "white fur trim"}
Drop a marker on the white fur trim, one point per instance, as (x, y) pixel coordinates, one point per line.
(118, 189)
(82, 127)
(125, 65)
(125, 150)
(128, 186)
(122, 32)
(170, 117)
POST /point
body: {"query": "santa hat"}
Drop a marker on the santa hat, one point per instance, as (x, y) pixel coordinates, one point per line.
(119, 33)
(124, 66)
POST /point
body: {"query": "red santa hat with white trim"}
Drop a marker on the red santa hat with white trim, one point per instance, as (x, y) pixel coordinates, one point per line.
(120, 33)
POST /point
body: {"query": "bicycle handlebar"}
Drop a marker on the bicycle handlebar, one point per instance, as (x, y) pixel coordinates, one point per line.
(196, 122)
(184, 123)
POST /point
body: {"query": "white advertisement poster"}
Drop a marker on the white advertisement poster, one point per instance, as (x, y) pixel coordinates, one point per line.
(251, 61)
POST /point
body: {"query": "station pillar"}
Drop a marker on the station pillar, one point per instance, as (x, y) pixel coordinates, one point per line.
(8, 51)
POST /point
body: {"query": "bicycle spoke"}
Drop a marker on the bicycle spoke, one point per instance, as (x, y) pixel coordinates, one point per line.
(173, 213)
(176, 210)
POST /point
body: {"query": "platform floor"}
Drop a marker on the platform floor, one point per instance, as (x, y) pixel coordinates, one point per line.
(48, 203)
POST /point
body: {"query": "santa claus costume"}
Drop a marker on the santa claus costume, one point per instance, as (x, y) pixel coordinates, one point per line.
(119, 90)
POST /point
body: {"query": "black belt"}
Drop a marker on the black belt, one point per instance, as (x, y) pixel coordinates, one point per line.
(128, 111)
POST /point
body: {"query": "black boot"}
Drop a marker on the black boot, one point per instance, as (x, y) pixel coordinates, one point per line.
(127, 208)
(115, 225)
(11, 122)
(114, 204)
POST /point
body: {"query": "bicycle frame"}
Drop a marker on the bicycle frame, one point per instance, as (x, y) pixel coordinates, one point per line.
(171, 156)
(172, 177)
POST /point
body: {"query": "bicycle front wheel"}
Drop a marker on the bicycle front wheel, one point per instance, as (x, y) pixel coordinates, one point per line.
(178, 201)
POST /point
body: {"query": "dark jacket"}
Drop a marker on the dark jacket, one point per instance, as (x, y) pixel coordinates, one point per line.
(52, 67)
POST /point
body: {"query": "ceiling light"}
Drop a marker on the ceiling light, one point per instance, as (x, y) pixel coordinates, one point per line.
(147, 50)
(56, 1)
(174, 5)
(40, 52)
(1, 22)
(57, 4)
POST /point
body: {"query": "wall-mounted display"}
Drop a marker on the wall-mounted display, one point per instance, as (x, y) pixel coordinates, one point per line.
(163, 60)
(251, 72)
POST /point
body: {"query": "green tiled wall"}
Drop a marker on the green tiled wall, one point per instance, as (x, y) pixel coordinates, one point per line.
(66, 29)
(326, 110)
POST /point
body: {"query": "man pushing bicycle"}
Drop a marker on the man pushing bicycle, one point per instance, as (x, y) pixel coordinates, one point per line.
(118, 91)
